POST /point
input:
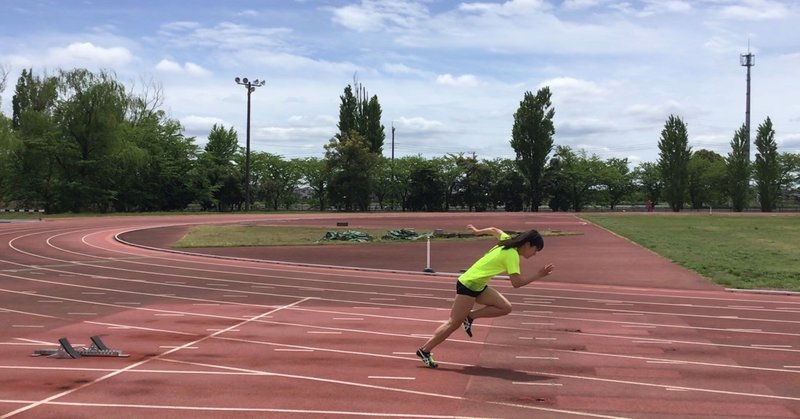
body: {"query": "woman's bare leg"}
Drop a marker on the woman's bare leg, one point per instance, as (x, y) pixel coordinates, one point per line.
(461, 308)
(495, 305)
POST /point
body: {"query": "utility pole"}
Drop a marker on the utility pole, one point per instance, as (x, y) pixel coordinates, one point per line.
(747, 60)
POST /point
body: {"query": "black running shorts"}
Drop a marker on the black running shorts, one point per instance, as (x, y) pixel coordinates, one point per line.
(463, 290)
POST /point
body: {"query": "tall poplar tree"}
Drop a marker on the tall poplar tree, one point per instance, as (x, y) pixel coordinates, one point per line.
(673, 161)
(738, 170)
(532, 141)
(767, 171)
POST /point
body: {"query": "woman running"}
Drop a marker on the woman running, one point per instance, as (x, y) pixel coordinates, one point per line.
(472, 286)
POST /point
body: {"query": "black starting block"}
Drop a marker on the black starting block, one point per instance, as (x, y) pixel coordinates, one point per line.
(97, 348)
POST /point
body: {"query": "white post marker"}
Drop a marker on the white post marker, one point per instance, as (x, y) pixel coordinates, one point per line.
(428, 264)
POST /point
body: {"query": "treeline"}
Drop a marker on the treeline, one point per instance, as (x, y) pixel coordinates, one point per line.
(80, 141)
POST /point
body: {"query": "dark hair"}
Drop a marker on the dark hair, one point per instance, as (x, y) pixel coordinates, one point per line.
(532, 236)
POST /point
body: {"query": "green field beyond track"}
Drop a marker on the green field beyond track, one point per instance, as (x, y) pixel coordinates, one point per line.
(737, 251)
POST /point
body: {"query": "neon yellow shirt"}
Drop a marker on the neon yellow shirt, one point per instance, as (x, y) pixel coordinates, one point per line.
(494, 262)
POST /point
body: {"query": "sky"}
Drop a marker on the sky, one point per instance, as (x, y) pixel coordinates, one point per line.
(449, 75)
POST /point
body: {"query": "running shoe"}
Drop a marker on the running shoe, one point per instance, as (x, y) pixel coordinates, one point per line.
(427, 358)
(468, 325)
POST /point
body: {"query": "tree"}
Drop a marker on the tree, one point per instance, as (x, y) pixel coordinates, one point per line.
(509, 191)
(647, 177)
(32, 168)
(579, 175)
(405, 168)
(314, 173)
(617, 180)
(276, 179)
(738, 170)
(767, 168)
(707, 179)
(674, 161)
(357, 113)
(219, 163)
(790, 176)
(425, 188)
(350, 165)
(91, 118)
(532, 140)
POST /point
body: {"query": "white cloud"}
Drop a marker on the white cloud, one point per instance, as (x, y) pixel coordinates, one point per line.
(756, 10)
(192, 69)
(86, 53)
(572, 89)
(466, 80)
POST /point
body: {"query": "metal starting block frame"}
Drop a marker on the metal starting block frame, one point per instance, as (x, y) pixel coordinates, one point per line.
(97, 348)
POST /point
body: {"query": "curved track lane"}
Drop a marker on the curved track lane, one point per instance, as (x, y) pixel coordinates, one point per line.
(214, 337)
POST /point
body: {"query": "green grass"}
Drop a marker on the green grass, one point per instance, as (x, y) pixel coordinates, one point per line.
(736, 251)
(253, 235)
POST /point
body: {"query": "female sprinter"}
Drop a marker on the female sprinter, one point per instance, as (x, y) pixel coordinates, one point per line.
(472, 287)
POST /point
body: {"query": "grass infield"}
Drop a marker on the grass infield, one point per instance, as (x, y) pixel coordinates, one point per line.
(733, 250)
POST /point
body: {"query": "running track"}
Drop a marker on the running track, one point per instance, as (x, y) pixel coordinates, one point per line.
(213, 337)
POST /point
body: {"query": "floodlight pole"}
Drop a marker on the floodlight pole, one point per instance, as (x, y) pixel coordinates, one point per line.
(251, 87)
(747, 60)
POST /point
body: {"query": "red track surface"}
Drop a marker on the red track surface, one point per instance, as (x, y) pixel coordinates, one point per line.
(615, 332)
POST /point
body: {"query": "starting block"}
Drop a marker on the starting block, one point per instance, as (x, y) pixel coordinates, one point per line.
(97, 348)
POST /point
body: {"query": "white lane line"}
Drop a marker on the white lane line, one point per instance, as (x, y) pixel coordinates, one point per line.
(382, 377)
(746, 307)
(38, 342)
(234, 296)
(529, 383)
(537, 312)
(324, 332)
(408, 294)
(546, 339)
(675, 389)
(652, 341)
(292, 350)
(211, 284)
(367, 308)
(744, 330)
(309, 288)
(538, 323)
(130, 303)
(50, 301)
(348, 318)
(92, 293)
(383, 299)
(205, 304)
(175, 282)
(168, 315)
(178, 347)
(770, 346)
(638, 326)
(536, 357)
(628, 314)
(668, 362)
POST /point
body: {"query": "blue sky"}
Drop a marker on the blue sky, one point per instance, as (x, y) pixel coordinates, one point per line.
(449, 75)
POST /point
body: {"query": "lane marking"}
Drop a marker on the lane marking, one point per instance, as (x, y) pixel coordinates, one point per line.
(324, 332)
(529, 383)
